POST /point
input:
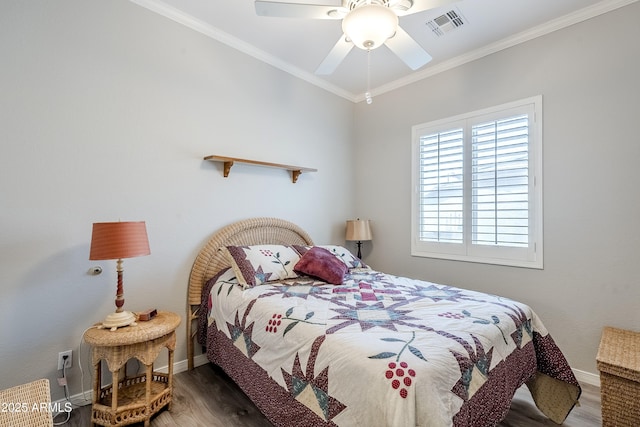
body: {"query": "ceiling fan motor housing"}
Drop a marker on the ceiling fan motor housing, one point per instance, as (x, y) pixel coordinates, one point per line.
(352, 4)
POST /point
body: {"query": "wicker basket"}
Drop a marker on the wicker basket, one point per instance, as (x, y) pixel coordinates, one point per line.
(619, 365)
(26, 405)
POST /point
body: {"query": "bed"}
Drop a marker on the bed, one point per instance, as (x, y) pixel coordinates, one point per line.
(367, 349)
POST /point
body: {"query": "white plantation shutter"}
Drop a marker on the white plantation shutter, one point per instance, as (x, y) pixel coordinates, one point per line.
(477, 182)
(500, 182)
(441, 187)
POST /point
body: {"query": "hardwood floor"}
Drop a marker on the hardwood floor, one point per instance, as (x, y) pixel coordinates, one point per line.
(205, 397)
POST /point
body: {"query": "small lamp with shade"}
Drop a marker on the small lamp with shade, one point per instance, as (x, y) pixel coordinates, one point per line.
(118, 240)
(358, 230)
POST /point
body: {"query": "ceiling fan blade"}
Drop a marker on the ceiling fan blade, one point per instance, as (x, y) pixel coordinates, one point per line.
(408, 49)
(422, 5)
(335, 57)
(297, 10)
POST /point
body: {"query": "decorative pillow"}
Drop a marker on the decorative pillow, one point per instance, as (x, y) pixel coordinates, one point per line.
(342, 253)
(320, 263)
(254, 265)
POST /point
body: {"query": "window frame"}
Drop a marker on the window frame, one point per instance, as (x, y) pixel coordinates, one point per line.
(530, 256)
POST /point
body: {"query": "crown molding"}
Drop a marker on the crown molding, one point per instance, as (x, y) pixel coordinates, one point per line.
(516, 39)
(210, 31)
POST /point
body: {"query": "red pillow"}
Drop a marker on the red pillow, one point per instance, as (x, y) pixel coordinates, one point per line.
(322, 264)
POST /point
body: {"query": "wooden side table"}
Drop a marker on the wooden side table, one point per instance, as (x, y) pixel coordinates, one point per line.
(129, 400)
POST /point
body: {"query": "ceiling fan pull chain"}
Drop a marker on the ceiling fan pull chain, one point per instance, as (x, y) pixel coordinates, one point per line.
(367, 94)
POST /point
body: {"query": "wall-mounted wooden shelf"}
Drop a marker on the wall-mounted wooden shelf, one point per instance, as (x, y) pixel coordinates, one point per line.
(229, 161)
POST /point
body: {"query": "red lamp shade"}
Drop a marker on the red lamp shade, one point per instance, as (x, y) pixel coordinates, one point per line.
(117, 240)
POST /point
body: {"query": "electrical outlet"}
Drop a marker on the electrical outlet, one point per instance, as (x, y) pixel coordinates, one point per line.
(62, 363)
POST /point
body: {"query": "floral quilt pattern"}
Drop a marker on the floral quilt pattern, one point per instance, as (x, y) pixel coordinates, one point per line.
(385, 350)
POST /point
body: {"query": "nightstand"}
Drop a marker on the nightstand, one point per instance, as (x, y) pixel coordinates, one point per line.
(135, 398)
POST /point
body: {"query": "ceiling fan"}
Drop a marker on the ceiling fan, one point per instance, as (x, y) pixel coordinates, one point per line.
(367, 24)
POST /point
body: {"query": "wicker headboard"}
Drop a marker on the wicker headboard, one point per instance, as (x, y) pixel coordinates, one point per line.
(210, 260)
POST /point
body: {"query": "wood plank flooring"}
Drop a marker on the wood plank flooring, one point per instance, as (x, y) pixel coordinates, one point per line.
(206, 397)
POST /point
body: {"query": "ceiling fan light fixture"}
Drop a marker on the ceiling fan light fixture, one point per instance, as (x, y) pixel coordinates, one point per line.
(370, 25)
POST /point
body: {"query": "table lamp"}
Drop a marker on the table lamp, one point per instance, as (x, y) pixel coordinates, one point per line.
(118, 240)
(358, 230)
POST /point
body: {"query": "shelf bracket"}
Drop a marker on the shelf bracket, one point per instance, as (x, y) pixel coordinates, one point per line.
(227, 167)
(294, 175)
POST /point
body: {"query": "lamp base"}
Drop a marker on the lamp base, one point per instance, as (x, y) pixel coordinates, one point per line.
(118, 320)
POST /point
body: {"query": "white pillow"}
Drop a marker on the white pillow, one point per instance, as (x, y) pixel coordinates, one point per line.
(257, 264)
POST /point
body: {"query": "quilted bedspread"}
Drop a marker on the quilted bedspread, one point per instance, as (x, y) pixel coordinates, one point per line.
(382, 350)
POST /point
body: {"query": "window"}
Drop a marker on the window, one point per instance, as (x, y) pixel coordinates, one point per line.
(477, 181)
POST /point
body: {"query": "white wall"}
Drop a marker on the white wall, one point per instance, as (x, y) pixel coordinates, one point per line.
(588, 77)
(106, 111)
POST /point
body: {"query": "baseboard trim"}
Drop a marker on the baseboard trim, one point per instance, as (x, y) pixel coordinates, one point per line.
(82, 399)
(587, 377)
